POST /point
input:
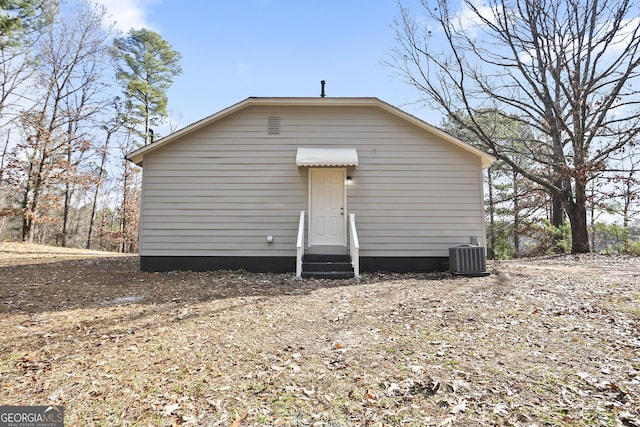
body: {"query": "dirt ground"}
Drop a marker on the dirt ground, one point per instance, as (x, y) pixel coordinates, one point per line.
(545, 342)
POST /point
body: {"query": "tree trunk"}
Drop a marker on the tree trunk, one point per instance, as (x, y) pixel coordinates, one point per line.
(592, 218)
(516, 216)
(65, 215)
(577, 212)
(94, 203)
(25, 230)
(26, 219)
(628, 197)
(579, 234)
(25, 211)
(32, 232)
(123, 214)
(147, 125)
(492, 224)
(94, 207)
(557, 212)
(67, 186)
(4, 154)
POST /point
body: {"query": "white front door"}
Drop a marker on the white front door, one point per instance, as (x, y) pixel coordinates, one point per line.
(327, 219)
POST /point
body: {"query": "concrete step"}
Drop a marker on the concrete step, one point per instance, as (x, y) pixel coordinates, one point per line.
(327, 266)
(328, 274)
(326, 258)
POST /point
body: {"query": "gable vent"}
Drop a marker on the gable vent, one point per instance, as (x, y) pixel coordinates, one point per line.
(273, 125)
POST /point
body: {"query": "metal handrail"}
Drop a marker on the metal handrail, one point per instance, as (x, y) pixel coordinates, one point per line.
(354, 245)
(300, 245)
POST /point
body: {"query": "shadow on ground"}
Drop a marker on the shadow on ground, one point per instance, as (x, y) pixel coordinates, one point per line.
(36, 286)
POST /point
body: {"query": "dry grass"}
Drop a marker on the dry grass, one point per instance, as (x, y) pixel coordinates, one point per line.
(540, 342)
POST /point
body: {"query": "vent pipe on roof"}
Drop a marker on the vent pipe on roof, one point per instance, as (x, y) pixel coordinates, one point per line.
(322, 83)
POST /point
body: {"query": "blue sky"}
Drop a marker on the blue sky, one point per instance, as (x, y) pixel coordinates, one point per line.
(235, 49)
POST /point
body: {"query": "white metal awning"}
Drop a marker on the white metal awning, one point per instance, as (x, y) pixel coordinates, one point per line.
(326, 157)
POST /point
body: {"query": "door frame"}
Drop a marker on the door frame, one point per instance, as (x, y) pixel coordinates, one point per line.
(343, 224)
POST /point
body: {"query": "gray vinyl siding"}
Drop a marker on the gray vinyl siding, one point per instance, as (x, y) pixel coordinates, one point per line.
(222, 189)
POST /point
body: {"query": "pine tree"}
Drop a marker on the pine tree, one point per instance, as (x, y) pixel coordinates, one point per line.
(146, 66)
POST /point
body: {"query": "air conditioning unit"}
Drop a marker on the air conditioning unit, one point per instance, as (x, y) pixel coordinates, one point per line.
(468, 260)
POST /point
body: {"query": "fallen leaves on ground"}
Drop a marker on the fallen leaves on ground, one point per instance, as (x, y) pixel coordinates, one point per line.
(549, 341)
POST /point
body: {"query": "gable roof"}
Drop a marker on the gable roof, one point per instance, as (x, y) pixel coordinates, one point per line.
(138, 155)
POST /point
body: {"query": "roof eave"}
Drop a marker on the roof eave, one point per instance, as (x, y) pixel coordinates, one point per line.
(138, 155)
(486, 158)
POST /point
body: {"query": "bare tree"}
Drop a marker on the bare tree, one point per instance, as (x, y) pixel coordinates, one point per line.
(20, 25)
(624, 175)
(130, 202)
(84, 99)
(15, 71)
(68, 77)
(566, 69)
(110, 128)
(3, 157)
(630, 193)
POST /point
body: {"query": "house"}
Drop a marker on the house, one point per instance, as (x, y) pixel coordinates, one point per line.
(269, 183)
